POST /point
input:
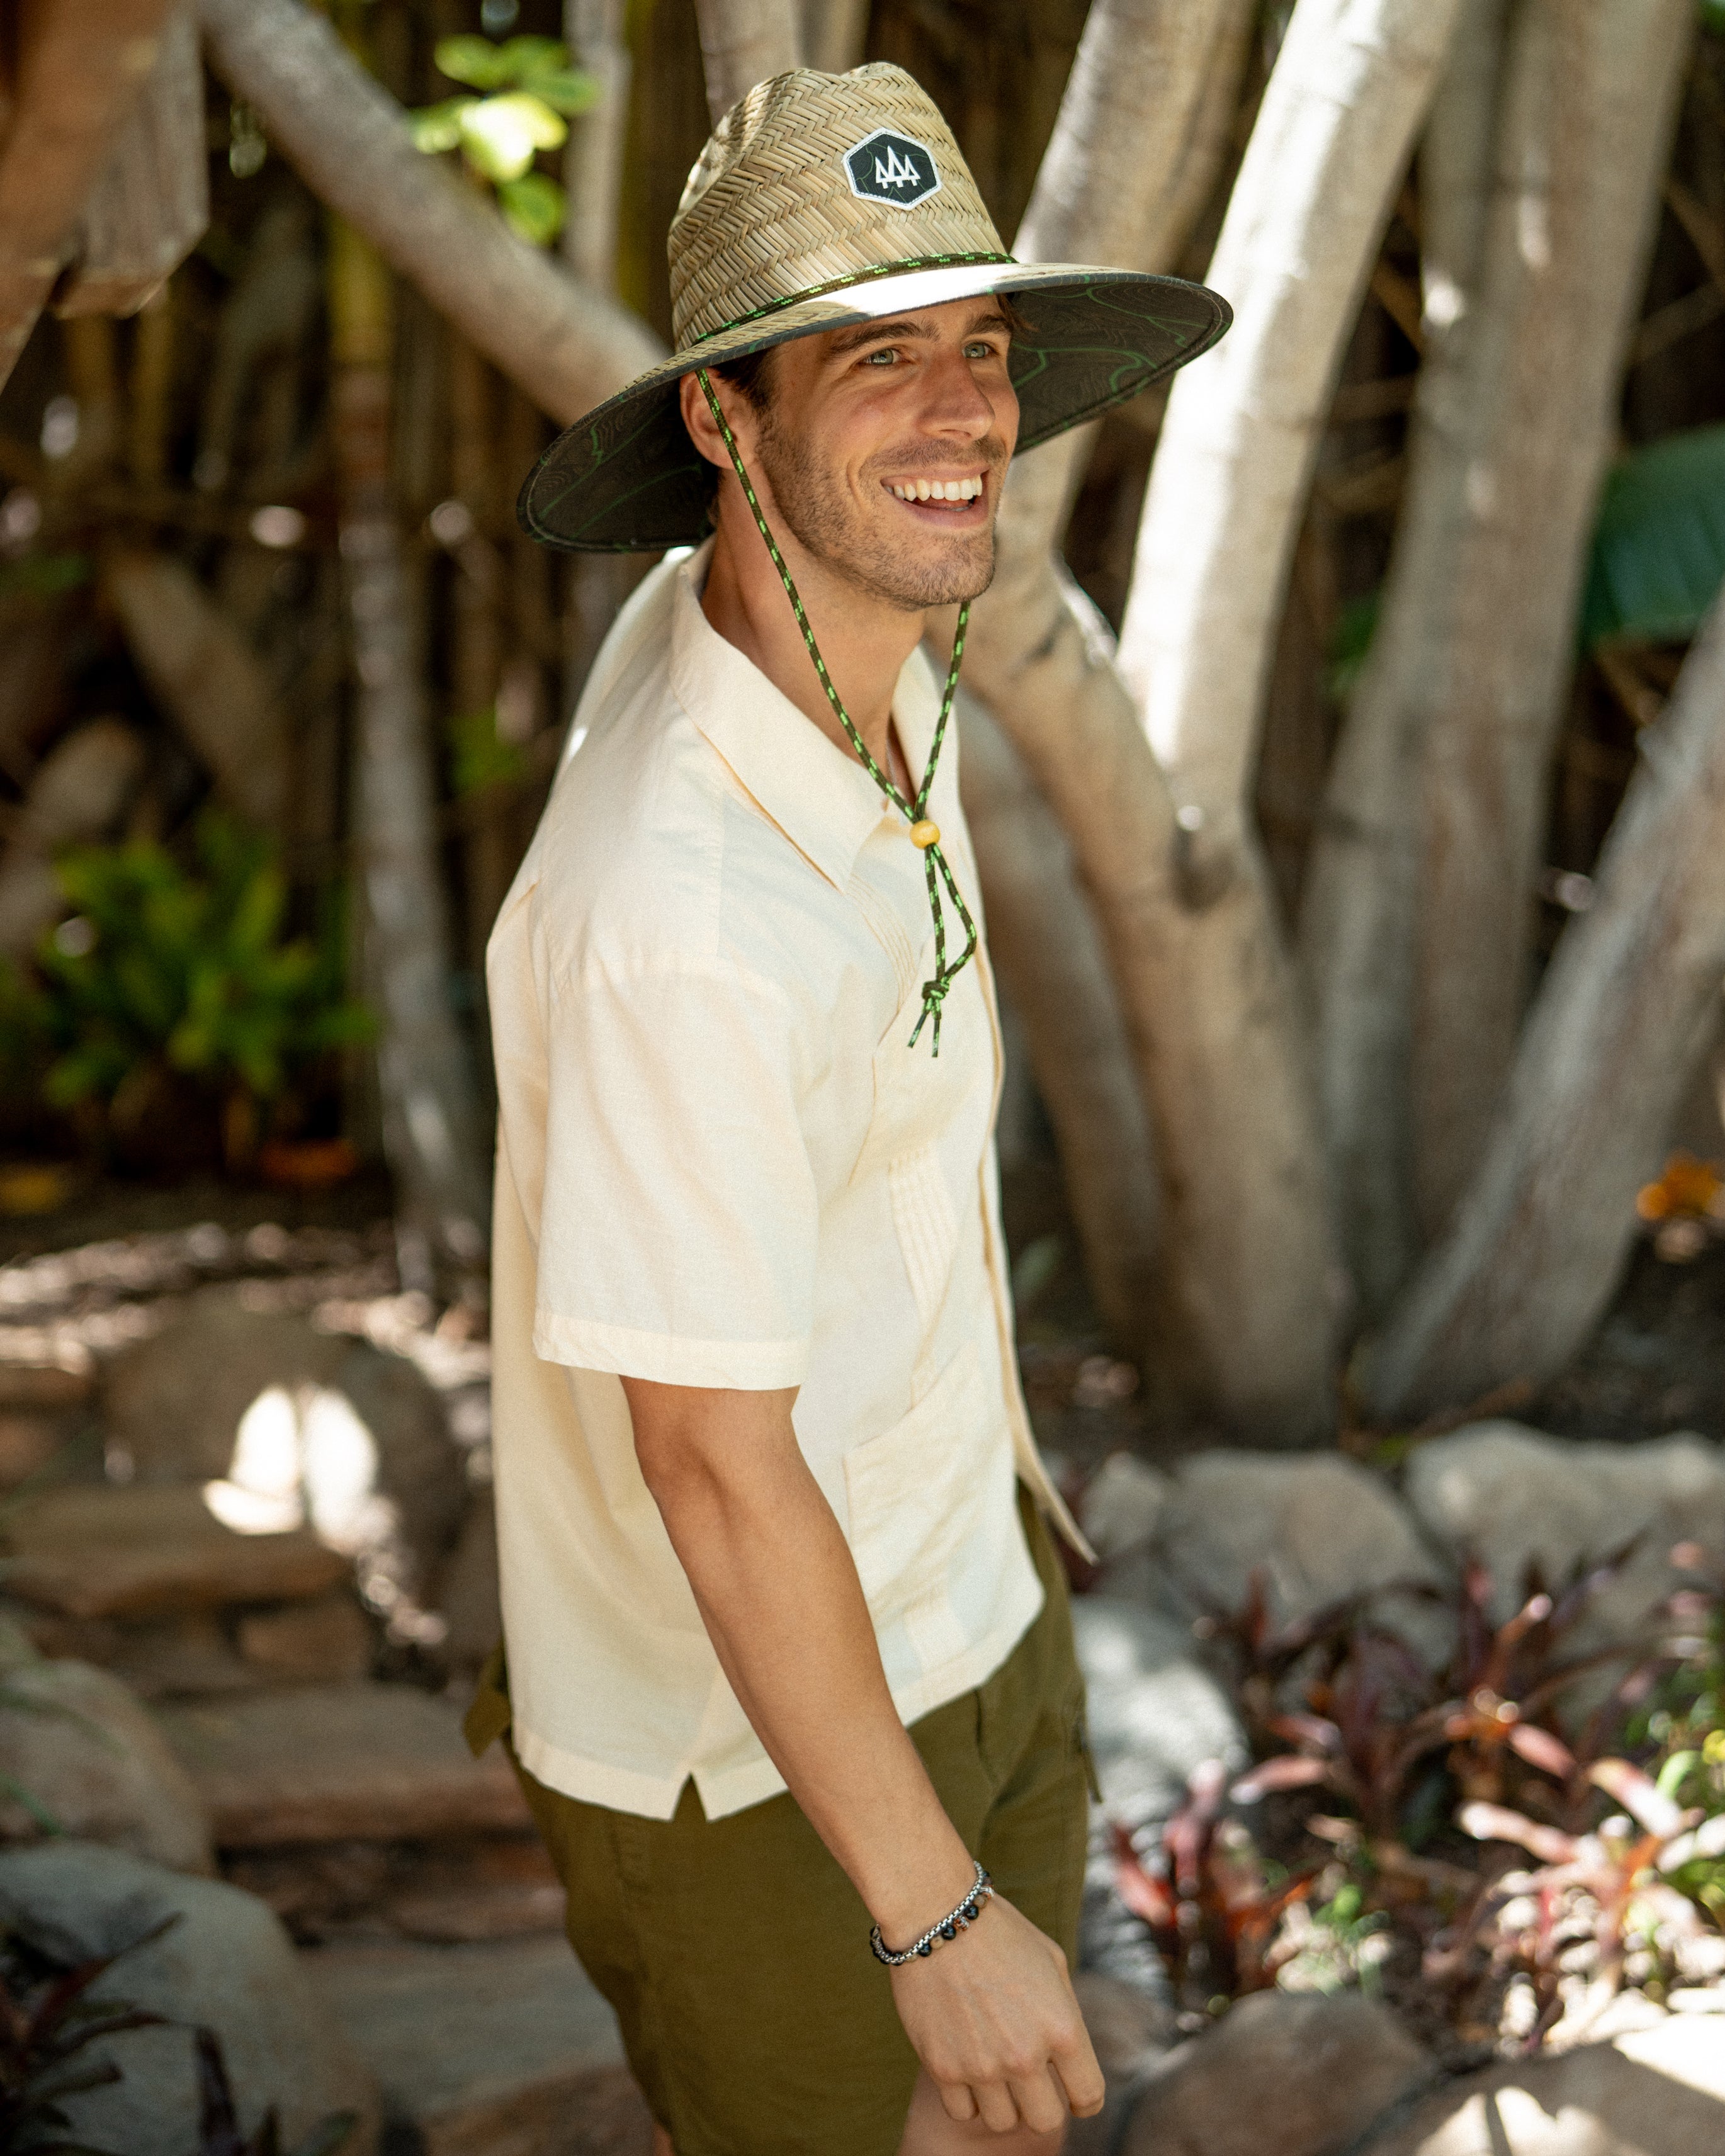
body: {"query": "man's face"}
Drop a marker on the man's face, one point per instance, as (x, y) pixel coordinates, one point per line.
(885, 447)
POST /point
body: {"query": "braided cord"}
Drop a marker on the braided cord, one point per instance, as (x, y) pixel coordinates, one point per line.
(934, 860)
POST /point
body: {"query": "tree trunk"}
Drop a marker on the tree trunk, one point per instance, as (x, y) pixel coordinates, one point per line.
(742, 42)
(1044, 943)
(1146, 78)
(431, 1133)
(569, 346)
(1358, 914)
(1627, 1004)
(1588, 102)
(836, 34)
(79, 65)
(592, 163)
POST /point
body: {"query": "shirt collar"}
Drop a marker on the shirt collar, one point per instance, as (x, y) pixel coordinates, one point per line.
(819, 794)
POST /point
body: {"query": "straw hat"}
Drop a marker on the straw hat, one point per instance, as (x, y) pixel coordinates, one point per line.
(823, 201)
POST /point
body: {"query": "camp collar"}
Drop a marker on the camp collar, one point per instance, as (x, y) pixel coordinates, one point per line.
(816, 792)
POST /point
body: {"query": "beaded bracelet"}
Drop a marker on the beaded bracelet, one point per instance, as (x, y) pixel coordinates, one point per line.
(949, 1927)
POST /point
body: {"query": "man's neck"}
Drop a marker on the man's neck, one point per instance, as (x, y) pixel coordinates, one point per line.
(864, 640)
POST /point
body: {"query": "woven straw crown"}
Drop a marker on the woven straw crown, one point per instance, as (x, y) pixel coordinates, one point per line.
(770, 211)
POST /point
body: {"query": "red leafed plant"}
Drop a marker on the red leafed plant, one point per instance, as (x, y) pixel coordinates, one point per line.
(1213, 1911)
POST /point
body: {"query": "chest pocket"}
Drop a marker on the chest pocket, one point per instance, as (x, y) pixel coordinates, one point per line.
(920, 1096)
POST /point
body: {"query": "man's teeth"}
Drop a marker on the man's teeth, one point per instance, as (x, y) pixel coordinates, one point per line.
(938, 490)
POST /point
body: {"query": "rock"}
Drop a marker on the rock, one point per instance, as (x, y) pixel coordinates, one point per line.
(88, 1755)
(487, 2051)
(1658, 2093)
(1508, 1495)
(1320, 1527)
(1303, 2075)
(291, 1425)
(309, 1642)
(227, 1964)
(469, 1595)
(330, 1763)
(1129, 2032)
(1154, 1717)
(177, 1658)
(138, 1551)
(1121, 1504)
(43, 1388)
(27, 1442)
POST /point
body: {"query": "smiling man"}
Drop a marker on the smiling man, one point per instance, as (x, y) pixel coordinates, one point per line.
(790, 1678)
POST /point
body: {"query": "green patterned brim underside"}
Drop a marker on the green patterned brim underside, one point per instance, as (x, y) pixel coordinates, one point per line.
(627, 478)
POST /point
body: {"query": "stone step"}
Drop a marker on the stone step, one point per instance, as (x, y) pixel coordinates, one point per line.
(152, 1550)
(500, 2049)
(362, 1762)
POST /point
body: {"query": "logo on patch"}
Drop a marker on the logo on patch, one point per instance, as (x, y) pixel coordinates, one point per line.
(893, 168)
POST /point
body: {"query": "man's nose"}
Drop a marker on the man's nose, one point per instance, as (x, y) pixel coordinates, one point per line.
(957, 403)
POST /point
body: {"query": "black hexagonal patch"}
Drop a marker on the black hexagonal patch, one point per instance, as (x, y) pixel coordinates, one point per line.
(889, 168)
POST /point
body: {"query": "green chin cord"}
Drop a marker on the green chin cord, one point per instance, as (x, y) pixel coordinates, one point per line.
(925, 833)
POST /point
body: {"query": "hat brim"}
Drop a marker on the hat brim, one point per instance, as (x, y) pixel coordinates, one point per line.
(627, 478)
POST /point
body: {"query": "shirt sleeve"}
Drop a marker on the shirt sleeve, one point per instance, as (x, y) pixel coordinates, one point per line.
(677, 1230)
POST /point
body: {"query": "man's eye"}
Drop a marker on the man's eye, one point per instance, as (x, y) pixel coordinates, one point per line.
(886, 356)
(980, 350)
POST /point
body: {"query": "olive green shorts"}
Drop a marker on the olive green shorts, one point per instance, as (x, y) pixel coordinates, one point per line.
(735, 1952)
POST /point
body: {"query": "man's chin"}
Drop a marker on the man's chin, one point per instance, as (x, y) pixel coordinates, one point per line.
(945, 574)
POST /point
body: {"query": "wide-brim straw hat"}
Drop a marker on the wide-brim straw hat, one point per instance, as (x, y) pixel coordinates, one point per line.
(823, 201)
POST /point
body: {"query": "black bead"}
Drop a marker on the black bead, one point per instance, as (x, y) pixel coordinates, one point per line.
(949, 1930)
(927, 1947)
(969, 1912)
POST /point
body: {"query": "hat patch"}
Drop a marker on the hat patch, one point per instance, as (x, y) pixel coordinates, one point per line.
(889, 168)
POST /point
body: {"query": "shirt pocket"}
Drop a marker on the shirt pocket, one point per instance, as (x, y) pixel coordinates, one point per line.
(916, 1494)
(918, 1095)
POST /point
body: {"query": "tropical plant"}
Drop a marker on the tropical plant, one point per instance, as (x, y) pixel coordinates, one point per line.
(526, 89)
(164, 968)
(47, 2022)
(219, 2122)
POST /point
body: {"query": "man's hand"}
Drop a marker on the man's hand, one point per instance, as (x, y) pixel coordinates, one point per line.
(995, 2021)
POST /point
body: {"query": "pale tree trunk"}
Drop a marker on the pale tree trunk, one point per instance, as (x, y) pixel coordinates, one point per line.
(1358, 908)
(1044, 943)
(742, 42)
(1627, 1007)
(1250, 1284)
(1136, 148)
(592, 163)
(1589, 102)
(431, 1123)
(835, 34)
(567, 344)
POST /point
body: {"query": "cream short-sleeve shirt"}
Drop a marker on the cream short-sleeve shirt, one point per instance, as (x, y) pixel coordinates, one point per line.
(721, 1163)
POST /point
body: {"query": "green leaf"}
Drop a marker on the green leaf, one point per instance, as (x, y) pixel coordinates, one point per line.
(438, 127)
(520, 57)
(534, 206)
(564, 90)
(1350, 640)
(481, 758)
(1713, 16)
(475, 61)
(502, 135)
(1658, 554)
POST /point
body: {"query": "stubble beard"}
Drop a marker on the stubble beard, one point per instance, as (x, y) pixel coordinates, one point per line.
(821, 517)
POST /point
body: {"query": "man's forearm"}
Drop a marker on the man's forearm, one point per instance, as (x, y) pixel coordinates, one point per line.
(780, 1594)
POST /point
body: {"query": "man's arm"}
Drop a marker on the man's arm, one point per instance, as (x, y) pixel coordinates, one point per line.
(993, 2018)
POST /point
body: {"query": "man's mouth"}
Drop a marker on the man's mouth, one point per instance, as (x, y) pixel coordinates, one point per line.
(947, 493)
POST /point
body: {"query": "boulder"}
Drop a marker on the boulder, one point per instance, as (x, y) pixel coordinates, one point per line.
(1121, 1505)
(88, 1757)
(467, 1597)
(1130, 2031)
(1319, 1526)
(1508, 1495)
(138, 1551)
(1155, 1716)
(487, 2051)
(330, 1763)
(227, 1964)
(289, 1426)
(1301, 2074)
(1659, 2092)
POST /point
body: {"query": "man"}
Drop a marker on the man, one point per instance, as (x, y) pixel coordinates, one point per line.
(787, 1648)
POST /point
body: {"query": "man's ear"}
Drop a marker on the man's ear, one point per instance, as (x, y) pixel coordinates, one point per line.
(698, 418)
